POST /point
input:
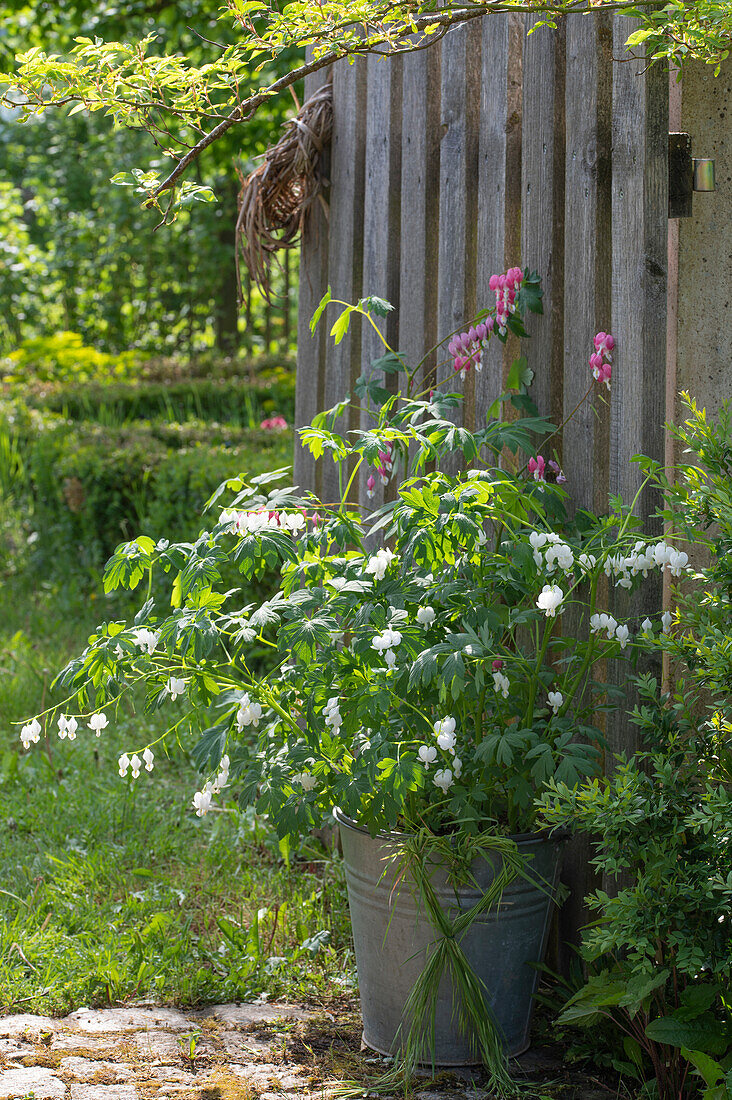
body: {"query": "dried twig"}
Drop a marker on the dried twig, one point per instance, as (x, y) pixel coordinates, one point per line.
(276, 196)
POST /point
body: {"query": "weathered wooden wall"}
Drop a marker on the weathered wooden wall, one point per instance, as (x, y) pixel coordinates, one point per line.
(496, 148)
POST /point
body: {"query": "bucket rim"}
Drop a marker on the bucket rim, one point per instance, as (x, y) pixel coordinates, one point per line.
(556, 836)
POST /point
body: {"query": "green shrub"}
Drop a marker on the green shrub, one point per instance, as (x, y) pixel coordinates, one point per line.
(661, 824)
(64, 357)
(45, 364)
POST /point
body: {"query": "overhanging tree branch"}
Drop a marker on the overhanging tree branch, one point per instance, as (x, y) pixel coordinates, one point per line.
(137, 88)
(403, 42)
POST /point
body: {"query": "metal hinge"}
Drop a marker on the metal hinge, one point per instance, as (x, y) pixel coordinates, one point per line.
(686, 174)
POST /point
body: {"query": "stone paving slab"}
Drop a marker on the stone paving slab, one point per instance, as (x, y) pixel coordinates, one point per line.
(16, 1025)
(104, 1020)
(246, 1014)
(42, 1083)
(240, 1052)
(89, 1069)
(160, 1046)
(104, 1092)
(142, 1053)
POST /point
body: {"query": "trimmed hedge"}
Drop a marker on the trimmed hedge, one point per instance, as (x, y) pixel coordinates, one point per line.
(91, 487)
(228, 401)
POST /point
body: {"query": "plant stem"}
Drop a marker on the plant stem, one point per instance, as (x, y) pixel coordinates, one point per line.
(529, 716)
(344, 496)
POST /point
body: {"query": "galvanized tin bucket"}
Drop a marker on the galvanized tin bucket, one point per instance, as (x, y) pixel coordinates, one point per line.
(391, 936)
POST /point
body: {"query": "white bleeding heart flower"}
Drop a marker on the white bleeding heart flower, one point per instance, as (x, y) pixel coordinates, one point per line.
(202, 801)
(31, 733)
(98, 722)
(67, 727)
(175, 687)
(443, 779)
(549, 599)
(446, 741)
(501, 684)
(555, 700)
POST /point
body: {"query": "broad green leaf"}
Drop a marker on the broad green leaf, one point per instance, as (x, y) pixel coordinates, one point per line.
(695, 1034)
(711, 1071)
(519, 375)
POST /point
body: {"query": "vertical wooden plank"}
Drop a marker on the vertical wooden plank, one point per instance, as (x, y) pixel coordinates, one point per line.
(419, 204)
(639, 287)
(345, 244)
(313, 281)
(542, 212)
(491, 217)
(586, 253)
(587, 236)
(672, 347)
(286, 298)
(639, 269)
(382, 201)
(514, 135)
(457, 255)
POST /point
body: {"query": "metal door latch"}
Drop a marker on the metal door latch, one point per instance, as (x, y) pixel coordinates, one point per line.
(686, 174)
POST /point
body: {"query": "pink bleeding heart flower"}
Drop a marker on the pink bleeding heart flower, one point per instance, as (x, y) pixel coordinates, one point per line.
(370, 486)
(385, 459)
(497, 665)
(536, 467)
(557, 471)
(601, 359)
(274, 424)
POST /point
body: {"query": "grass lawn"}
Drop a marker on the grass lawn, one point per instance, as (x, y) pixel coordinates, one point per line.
(112, 889)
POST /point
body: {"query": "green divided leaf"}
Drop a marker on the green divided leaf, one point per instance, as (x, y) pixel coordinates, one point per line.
(520, 374)
(341, 326)
(320, 309)
(391, 363)
(378, 306)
